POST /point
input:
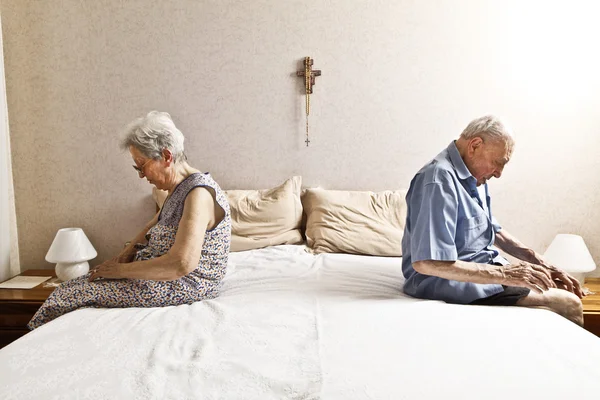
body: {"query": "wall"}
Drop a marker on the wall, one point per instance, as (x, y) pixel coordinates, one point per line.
(400, 80)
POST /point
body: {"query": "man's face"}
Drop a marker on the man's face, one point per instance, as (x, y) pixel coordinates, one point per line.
(486, 159)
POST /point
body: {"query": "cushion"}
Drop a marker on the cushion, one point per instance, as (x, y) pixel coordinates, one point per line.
(355, 222)
(261, 218)
(267, 217)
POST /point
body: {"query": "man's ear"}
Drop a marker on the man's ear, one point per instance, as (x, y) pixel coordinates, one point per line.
(475, 143)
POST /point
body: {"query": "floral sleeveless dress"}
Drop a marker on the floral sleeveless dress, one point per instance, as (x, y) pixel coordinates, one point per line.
(202, 283)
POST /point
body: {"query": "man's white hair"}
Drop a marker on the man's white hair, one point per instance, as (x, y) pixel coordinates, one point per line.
(488, 127)
(153, 133)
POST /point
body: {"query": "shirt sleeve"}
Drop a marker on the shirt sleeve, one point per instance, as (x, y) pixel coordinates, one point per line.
(496, 225)
(434, 214)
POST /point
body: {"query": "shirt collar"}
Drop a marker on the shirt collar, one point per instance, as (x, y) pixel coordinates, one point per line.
(457, 162)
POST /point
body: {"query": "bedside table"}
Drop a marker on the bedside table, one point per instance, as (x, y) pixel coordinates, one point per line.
(591, 306)
(17, 307)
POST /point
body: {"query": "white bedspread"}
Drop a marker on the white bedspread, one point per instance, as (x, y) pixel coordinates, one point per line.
(291, 325)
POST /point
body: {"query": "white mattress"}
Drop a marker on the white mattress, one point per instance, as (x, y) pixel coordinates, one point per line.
(291, 325)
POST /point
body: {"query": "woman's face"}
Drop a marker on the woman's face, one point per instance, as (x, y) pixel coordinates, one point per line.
(148, 168)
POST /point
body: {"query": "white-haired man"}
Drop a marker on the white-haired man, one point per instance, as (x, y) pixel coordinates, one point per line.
(450, 234)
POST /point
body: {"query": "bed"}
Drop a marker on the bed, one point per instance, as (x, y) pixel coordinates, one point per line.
(293, 323)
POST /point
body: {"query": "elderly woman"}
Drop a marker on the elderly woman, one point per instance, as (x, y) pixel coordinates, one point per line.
(185, 256)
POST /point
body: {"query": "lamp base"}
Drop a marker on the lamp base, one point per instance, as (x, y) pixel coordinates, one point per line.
(66, 271)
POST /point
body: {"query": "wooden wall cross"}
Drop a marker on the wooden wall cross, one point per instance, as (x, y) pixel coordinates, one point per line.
(309, 80)
(309, 73)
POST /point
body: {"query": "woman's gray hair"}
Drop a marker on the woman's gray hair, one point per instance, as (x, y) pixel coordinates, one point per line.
(152, 134)
(488, 127)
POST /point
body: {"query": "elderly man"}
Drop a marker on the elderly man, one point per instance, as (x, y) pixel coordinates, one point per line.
(450, 234)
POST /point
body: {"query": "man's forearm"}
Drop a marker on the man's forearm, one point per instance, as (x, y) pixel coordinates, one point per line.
(511, 245)
(463, 271)
(524, 274)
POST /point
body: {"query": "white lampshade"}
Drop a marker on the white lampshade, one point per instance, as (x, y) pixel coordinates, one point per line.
(70, 245)
(71, 250)
(569, 253)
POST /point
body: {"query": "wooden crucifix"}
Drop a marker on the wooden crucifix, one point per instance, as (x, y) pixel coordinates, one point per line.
(309, 75)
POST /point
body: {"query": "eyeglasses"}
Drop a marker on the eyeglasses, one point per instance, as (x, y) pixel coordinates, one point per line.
(140, 170)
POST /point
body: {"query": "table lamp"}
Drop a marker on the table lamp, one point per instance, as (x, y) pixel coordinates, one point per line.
(71, 250)
(569, 253)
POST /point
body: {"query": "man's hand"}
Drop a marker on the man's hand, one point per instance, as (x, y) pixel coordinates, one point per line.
(560, 279)
(564, 281)
(108, 269)
(524, 274)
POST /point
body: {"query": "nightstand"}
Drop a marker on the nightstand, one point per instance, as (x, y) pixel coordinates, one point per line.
(591, 306)
(17, 307)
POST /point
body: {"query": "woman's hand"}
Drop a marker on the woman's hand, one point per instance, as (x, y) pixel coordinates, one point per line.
(108, 269)
(127, 254)
(125, 258)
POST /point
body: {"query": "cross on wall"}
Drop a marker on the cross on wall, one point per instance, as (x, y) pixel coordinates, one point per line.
(309, 76)
(311, 73)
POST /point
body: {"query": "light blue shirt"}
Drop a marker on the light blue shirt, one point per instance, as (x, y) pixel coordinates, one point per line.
(447, 221)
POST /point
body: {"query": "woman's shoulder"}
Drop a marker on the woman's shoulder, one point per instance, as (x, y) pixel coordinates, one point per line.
(203, 179)
(205, 182)
(205, 196)
(199, 196)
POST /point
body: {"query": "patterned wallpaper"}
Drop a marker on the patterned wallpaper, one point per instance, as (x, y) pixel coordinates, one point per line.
(400, 80)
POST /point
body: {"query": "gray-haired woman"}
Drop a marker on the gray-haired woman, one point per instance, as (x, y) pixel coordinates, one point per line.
(180, 257)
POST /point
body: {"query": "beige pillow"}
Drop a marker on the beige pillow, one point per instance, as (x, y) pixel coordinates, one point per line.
(355, 222)
(261, 218)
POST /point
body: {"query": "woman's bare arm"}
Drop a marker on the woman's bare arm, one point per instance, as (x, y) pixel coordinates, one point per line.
(184, 255)
(126, 255)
